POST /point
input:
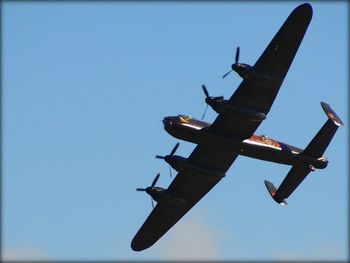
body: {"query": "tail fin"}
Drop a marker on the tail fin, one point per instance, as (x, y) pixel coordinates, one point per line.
(272, 191)
(322, 139)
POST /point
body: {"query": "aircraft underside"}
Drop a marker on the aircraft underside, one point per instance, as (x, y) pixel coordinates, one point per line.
(232, 134)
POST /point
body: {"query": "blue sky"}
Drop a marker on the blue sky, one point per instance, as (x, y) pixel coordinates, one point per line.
(85, 86)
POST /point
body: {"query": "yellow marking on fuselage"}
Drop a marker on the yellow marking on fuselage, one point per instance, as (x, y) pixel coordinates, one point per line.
(184, 120)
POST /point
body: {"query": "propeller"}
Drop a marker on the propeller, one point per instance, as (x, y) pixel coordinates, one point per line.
(207, 96)
(171, 154)
(150, 187)
(236, 61)
(208, 99)
(205, 91)
(237, 55)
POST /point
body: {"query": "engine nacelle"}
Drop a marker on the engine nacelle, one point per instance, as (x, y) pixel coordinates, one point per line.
(247, 113)
(180, 163)
(248, 73)
(176, 162)
(220, 105)
(163, 196)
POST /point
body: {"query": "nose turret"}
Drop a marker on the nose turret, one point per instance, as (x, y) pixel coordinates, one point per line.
(167, 122)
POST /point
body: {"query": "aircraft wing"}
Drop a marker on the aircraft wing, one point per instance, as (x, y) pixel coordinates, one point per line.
(274, 62)
(189, 185)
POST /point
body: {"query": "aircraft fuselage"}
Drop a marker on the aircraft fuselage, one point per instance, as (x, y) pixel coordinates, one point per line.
(257, 146)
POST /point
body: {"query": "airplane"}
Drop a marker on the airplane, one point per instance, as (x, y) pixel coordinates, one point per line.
(232, 134)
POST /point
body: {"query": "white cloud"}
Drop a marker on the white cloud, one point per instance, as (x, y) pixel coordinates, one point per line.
(23, 253)
(191, 240)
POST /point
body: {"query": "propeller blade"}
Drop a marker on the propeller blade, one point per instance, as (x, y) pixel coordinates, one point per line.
(224, 76)
(204, 112)
(171, 175)
(155, 180)
(237, 55)
(140, 189)
(174, 149)
(160, 157)
(205, 91)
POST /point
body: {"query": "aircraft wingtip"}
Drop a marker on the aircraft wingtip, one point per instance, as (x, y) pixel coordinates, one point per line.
(306, 8)
(308, 5)
(135, 247)
(138, 245)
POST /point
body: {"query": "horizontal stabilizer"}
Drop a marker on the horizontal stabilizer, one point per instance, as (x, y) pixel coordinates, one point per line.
(272, 190)
(320, 142)
(293, 179)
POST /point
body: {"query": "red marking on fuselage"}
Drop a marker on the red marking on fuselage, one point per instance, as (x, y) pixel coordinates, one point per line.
(265, 140)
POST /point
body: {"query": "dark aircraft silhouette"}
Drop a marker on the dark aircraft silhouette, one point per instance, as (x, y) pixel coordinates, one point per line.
(232, 134)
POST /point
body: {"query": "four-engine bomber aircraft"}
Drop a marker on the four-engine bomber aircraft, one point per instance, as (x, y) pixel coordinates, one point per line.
(232, 134)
